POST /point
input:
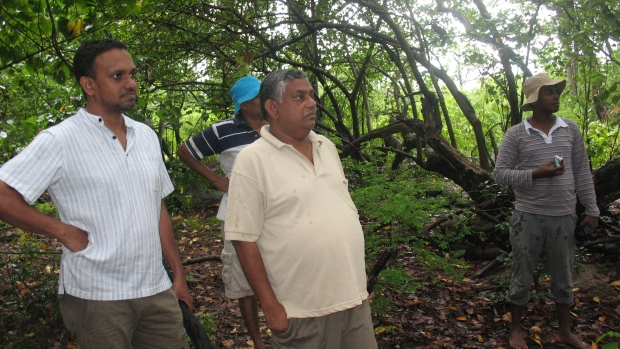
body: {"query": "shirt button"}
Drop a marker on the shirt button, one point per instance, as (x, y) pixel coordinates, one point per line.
(113, 137)
(100, 119)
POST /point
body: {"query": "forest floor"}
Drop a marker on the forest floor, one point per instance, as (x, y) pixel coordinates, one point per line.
(442, 313)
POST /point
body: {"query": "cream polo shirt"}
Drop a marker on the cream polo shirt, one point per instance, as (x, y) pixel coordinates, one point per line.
(304, 222)
(113, 194)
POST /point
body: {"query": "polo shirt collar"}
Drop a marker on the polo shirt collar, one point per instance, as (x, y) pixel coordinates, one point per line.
(237, 121)
(559, 122)
(271, 139)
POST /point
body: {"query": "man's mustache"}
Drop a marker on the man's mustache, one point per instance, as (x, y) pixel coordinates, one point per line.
(129, 91)
(309, 112)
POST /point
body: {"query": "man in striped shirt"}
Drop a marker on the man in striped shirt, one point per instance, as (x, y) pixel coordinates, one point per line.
(227, 138)
(544, 215)
(105, 174)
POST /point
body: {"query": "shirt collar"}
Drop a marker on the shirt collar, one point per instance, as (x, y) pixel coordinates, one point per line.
(271, 139)
(237, 121)
(96, 119)
(559, 122)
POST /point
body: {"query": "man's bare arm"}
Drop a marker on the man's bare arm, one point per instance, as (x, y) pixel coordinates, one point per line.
(16, 211)
(254, 270)
(220, 183)
(171, 255)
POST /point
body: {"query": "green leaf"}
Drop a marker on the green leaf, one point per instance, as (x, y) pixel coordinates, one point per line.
(613, 345)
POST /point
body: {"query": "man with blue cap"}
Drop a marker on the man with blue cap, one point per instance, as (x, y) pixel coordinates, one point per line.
(227, 138)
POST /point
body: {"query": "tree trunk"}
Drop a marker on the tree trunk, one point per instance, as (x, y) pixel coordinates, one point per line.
(607, 184)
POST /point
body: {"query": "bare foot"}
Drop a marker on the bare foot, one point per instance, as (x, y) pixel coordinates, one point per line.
(516, 340)
(572, 340)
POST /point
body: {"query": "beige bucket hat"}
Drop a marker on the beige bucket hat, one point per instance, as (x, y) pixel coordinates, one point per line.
(532, 85)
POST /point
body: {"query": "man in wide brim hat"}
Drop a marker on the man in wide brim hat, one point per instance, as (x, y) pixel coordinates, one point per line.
(532, 85)
(544, 216)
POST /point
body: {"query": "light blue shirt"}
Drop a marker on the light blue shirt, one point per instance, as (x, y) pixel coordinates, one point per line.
(113, 194)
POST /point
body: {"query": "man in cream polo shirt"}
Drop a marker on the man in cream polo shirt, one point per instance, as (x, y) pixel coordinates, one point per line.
(295, 227)
(106, 176)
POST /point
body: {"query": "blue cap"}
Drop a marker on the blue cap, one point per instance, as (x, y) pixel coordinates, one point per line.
(243, 90)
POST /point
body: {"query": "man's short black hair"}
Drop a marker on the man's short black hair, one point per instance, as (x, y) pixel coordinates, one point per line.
(89, 51)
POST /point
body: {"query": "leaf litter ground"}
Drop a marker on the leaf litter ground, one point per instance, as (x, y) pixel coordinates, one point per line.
(442, 313)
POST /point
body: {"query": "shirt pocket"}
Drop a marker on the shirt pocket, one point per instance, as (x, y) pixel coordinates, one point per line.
(146, 168)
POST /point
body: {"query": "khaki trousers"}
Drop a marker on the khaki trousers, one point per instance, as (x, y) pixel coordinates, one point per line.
(150, 322)
(347, 329)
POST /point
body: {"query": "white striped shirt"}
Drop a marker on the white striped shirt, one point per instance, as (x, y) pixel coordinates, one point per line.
(525, 149)
(113, 194)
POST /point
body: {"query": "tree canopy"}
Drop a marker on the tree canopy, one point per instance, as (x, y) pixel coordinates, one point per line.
(403, 87)
(431, 82)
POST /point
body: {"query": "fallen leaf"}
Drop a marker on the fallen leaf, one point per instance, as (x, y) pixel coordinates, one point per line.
(535, 338)
(380, 330)
(596, 299)
(413, 302)
(228, 343)
(615, 283)
(461, 318)
(602, 318)
(536, 329)
(480, 339)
